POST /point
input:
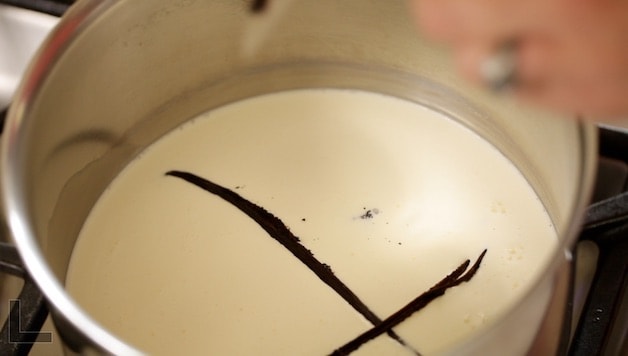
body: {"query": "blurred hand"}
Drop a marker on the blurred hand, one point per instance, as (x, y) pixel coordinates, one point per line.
(571, 55)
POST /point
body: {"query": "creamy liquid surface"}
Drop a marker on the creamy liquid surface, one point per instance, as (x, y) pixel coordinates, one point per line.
(391, 195)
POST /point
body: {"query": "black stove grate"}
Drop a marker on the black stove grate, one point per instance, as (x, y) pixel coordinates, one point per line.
(50, 7)
(27, 312)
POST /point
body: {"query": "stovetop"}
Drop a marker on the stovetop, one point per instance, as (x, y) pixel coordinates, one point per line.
(597, 315)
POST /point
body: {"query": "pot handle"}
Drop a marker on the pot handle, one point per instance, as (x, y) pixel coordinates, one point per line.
(28, 312)
(50, 7)
(607, 226)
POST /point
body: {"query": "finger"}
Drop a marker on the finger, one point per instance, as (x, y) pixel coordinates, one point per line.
(469, 58)
(593, 100)
(490, 21)
(526, 62)
(552, 95)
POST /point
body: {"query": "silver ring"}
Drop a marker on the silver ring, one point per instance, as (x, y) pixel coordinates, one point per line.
(499, 71)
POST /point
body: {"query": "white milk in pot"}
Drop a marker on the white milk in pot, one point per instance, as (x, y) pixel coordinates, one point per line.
(311, 222)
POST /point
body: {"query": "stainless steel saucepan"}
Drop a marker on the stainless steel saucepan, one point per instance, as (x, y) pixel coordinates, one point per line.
(115, 75)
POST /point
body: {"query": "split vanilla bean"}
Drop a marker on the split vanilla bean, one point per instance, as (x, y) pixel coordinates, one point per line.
(258, 6)
(452, 280)
(282, 234)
